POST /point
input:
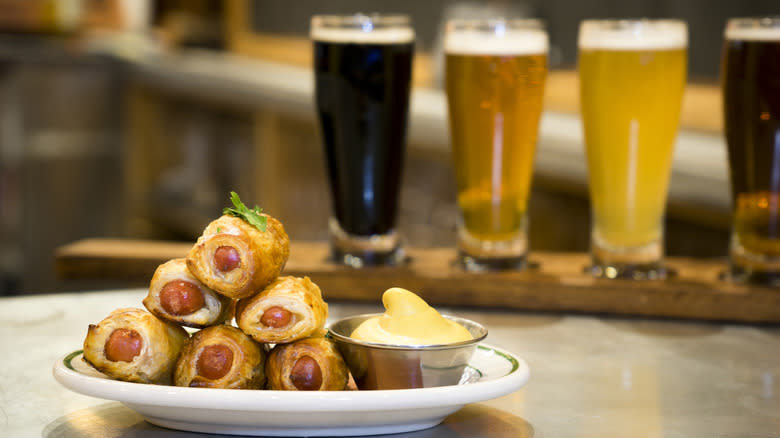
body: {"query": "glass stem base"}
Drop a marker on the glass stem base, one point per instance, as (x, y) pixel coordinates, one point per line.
(482, 264)
(362, 251)
(636, 263)
(751, 268)
(478, 255)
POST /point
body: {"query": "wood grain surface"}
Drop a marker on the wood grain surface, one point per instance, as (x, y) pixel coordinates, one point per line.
(557, 283)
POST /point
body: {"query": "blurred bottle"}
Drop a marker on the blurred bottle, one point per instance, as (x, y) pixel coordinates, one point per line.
(68, 16)
(40, 16)
(198, 23)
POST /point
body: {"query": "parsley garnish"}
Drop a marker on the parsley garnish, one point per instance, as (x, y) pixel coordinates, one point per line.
(251, 215)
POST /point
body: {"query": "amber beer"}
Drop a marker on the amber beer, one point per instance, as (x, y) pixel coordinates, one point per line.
(751, 97)
(632, 78)
(495, 75)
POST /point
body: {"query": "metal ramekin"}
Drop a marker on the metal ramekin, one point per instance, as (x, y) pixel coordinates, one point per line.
(387, 366)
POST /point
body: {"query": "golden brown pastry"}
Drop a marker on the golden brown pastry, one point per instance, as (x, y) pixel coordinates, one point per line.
(221, 356)
(311, 364)
(236, 259)
(175, 295)
(135, 346)
(289, 309)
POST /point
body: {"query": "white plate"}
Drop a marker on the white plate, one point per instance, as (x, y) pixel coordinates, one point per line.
(493, 372)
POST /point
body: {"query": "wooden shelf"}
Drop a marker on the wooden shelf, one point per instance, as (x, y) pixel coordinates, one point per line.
(558, 284)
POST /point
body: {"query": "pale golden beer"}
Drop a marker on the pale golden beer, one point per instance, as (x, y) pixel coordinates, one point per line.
(495, 75)
(632, 78)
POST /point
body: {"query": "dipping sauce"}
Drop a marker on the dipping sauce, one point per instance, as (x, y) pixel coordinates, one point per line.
(409, 320)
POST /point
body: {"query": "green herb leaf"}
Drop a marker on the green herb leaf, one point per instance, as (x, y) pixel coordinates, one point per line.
(251, 215)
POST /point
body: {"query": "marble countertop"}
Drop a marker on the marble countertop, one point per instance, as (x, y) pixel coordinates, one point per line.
(590, 376)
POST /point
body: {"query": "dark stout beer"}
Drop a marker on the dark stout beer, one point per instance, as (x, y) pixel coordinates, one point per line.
(751, 98)
(362, 94)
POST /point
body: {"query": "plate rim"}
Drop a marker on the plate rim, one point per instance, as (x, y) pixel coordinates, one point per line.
(284, 401)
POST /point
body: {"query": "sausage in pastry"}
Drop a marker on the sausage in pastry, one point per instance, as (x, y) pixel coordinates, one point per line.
(236, 259)
(289, 309)
(311, 364)
(221, 356)
(135, 346)
(175, 295)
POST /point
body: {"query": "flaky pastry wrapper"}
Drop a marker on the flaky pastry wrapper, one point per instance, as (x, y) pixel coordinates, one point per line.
(281, 366)
(216, 308)
(298, 296)
(244, 369)
(262, 255)
(161, 344)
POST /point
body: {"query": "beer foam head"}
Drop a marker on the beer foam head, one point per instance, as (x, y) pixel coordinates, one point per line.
(753, 29)
(364, 29)
(633, 34)
(498, 38)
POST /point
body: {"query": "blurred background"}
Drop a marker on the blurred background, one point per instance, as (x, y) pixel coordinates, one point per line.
(136, 118)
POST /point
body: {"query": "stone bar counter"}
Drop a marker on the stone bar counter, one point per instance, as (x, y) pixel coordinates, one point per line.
(590, 376)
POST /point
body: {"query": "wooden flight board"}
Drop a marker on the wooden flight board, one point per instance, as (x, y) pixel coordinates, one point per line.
(557, 283)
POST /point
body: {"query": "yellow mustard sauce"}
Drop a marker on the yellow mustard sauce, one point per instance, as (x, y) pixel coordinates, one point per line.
(409, 320)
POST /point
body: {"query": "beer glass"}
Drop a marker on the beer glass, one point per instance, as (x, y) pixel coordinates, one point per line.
(632, 77)
(751, 109)
(495, 75)
(363, 69)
